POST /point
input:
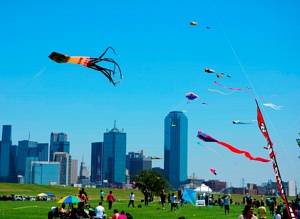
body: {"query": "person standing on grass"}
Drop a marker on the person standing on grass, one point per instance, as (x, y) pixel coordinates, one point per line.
(163, 197)
(110, 199)
(131, 200)
(173, 202)
(102, 195)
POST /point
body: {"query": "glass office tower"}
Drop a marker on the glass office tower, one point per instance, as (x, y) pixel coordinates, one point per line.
(175, 148)
(114, 156)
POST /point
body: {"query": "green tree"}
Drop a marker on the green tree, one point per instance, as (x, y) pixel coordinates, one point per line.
(151, 180)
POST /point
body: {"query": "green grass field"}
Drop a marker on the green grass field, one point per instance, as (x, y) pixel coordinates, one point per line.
(40, 209)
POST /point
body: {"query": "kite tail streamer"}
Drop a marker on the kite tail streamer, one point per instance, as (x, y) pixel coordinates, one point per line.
(263, 128)
(246, 153)
(233, 88)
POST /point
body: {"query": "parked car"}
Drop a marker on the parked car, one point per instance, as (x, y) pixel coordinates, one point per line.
(19, 198)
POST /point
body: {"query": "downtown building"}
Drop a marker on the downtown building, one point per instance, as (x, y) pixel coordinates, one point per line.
(114, 157)
(96, 160)
(136, 161)
(8, 157)
(175, 148)
(58, 143)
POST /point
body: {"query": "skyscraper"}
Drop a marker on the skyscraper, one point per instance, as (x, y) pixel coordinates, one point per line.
(84, 175)
(65, 167)
(26, 149)
(96, 161)
(175, 148)
(58, 143)
(5, 155)
(114, 156)
(136, 161)
(74, 171)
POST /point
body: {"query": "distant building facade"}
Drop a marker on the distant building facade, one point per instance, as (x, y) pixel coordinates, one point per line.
(64, 159)
(74, 172)
(58, 143)
(83, 178)
(5, 155)
(176, 148)
(96, 160)
(45, 173)
(136, 161)
(114, 157)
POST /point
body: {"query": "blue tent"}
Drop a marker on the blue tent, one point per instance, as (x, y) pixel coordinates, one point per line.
(189, 195)
(50, 194)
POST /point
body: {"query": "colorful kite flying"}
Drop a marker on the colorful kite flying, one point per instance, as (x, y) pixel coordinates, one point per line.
(272, 106)
(91, 63)
(213, 171)
(191, 96)
(212, 90)
(208, 70)
(263, 128)
(155, 158)
(193, 23)
(207, 138)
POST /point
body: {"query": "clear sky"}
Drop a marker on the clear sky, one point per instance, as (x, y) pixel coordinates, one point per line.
(162, 58)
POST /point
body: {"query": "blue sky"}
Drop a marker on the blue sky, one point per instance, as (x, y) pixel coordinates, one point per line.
(162, 58)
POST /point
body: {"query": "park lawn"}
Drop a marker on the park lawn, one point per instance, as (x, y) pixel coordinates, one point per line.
(40, 209)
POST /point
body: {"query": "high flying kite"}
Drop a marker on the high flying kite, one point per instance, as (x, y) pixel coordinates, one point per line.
(92, 63)
(213, 171)
(205, 137)
(208, 70)
(155, 158)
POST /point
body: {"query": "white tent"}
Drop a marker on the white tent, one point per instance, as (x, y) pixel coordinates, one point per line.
(203, 188)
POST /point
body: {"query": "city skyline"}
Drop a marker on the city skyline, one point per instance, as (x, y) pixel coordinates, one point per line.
(162, 58)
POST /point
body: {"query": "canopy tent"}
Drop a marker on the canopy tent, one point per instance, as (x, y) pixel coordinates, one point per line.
(42, 195)
(50, 194)
(203, 188)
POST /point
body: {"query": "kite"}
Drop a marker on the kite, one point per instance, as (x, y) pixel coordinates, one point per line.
(189, 195)
(272, 106)
(232, 88)
(228, 76)
(191, 96)
(298, 141)
(207, 27)
(155, 158)
(219, 76)
(213, 171)
(193, 23)
(212, 90)
(91, 63)
(208, 70)
(243, 122)
(263, 128)
(207, 138)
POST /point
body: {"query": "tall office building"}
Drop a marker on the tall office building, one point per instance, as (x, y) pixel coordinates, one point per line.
(5, 152)
(114, 156)
(43, 151)
(96, 163)
(74, 171)
(26, 149)
(136, 161)
(175, 148)
(58, 143)
(84, 175)
(65, 167)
